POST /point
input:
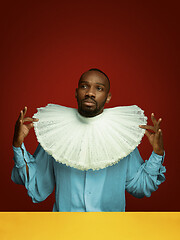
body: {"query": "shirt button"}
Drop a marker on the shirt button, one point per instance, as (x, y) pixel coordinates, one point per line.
(89, 192)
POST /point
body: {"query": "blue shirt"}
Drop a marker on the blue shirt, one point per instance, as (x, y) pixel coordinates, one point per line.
(87, 191)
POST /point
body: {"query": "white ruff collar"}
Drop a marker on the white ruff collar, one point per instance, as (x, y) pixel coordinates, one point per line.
(89, 143)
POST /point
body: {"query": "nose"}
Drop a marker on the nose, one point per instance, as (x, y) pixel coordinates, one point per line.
(91, 93)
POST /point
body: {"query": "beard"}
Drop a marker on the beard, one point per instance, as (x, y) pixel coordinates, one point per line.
(90, 111)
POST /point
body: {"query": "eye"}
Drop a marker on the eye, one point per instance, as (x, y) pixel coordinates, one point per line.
(84, 86)
(99, 88)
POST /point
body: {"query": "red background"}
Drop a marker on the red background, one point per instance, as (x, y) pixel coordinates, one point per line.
(47, 45)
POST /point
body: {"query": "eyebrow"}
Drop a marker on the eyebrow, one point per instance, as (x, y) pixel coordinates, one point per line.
(83, 81)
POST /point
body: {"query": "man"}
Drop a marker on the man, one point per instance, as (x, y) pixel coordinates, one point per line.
(85, 164)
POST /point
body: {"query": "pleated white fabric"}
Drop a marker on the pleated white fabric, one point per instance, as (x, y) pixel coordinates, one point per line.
(89, 143)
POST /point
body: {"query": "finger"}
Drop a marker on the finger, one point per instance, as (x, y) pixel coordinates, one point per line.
(158, 140)
(147, 133)
(158, 124)
(147, 127)
(161, 136)
(24, 111)
(30, 125)
(160, 133)
(21, 122)
(153, 119)
(35, 119)
(157, 134)
(29, 119)
(20, 116)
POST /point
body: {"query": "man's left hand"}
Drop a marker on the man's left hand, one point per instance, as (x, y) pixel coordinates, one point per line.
(154, 134)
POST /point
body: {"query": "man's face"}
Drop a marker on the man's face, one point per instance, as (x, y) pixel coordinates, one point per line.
(92, 93)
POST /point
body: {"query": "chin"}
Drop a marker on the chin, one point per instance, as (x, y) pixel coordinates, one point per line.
(89, 112)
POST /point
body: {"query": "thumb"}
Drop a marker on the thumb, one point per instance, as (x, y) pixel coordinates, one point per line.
(147, 133)
(29, 126)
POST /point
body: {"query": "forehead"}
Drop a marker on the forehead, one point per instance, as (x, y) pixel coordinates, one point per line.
(94, 77)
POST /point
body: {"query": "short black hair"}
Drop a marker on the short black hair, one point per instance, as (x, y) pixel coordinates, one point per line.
(98, 70)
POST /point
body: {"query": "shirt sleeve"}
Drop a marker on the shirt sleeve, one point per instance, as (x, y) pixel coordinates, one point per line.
(40, 183)
(143, 178)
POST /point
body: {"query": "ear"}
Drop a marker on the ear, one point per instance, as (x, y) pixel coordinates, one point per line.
(76, 93)
(108, 98)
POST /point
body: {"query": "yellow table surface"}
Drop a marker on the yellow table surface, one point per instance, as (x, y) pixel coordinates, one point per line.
(129, 225)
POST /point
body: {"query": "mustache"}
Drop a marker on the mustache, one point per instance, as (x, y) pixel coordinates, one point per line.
(89, 98)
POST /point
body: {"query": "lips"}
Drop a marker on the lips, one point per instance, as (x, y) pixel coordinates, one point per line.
(89, 103)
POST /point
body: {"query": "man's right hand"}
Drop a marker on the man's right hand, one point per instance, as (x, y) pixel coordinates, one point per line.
(21, 129)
